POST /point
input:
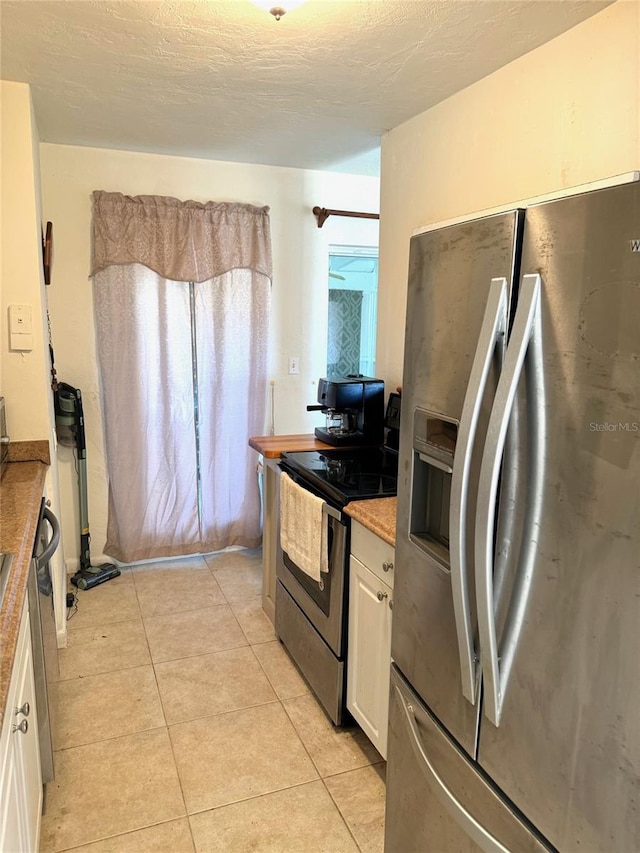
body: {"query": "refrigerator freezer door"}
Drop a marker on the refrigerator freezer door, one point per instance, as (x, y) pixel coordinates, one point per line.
(566, 750)
(452, 274)
(436, 799)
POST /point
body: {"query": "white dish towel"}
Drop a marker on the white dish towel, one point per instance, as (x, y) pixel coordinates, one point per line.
(303, 528)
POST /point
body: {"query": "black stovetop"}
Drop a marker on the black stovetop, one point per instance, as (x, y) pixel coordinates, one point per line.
(348, 474)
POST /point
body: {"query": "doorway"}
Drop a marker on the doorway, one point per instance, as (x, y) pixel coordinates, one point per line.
(353, 301)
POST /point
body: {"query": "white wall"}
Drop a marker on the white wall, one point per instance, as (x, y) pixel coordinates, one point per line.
(565, 114)
(300, 266)
(24, 376)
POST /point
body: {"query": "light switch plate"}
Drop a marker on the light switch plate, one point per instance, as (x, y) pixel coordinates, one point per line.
(20, 328)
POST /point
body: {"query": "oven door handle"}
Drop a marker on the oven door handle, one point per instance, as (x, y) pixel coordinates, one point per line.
(327, 509)
(53, 543)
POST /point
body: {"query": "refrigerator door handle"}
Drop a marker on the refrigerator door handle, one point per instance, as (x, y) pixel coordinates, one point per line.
(465, 820)
(525, 336)
(491, 339)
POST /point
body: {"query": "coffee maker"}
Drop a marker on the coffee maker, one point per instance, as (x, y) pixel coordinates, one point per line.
(354, 406)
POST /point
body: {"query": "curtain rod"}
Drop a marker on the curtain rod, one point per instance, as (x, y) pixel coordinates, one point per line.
(322, 214)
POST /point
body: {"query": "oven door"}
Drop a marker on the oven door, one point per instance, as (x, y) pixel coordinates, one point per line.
(322, 603)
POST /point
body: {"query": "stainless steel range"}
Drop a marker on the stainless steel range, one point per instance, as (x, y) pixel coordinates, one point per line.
(311, 616)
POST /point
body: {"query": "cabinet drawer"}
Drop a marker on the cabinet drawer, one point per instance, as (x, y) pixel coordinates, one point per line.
(373, 552)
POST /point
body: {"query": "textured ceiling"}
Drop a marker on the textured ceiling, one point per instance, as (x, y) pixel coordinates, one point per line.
(221, 79)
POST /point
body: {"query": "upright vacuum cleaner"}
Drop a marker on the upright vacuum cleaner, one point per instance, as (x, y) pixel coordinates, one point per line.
(70, 431)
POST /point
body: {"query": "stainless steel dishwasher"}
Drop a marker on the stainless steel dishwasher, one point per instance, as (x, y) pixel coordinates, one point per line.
(43, 633)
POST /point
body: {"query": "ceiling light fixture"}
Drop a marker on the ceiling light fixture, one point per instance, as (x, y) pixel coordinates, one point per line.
(276, 9)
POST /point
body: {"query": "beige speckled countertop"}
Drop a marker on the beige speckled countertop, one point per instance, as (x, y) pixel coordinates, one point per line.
(21, 489)
(377, 515)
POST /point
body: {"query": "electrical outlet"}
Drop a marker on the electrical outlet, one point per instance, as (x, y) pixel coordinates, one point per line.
(294, 364)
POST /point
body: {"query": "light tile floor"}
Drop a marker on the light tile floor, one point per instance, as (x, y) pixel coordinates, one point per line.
(183, 726)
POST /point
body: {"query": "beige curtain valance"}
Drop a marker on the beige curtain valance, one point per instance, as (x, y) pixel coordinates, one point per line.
(179, 240)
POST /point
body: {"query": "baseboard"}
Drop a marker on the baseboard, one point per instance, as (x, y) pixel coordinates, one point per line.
(73, 563)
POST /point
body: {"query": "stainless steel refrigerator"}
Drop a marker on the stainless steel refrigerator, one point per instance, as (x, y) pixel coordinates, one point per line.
(515, 695)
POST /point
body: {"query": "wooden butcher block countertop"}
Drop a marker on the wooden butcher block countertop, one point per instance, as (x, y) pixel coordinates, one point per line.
(377, 515)
(271, 446)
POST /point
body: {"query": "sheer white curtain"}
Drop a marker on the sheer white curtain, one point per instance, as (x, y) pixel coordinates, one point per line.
(232, 371)
(183, 368)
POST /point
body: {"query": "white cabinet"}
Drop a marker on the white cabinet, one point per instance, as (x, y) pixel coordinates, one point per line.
(369, 651)
(20, 778)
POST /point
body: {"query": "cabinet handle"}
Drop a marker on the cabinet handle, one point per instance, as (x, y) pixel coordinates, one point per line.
(26, 708)
(390, 604)
(387, 566)
(22, 727)
(382, 595)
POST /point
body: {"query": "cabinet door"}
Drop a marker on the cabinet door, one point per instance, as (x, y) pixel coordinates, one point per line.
(369, 653)
(20, 777)
(11, 830)
(27, 748)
